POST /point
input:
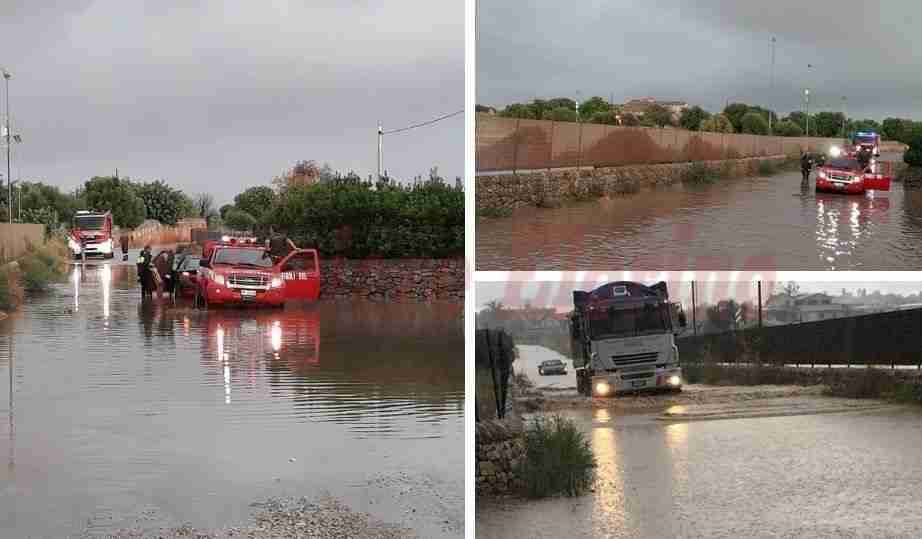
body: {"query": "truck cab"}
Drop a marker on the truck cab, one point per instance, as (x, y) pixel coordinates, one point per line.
(623, 339)
(91, 235)
(239, 271)
(868, 141)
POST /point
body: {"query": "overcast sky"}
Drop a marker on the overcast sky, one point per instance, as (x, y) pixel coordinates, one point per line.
(559, 294)
(220, 95)
(705, 52)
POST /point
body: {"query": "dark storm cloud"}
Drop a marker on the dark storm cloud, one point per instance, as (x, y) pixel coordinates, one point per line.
(705, 52)
(217, 96)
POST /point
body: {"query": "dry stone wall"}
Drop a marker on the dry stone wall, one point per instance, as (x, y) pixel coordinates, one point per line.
(550, 188)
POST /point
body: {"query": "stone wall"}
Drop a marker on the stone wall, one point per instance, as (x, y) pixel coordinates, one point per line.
(550, 188)
(500, 447)
(393, 279)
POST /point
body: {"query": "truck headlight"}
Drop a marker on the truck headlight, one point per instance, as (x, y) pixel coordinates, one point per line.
(602, 388)
(74, 246)
(835, 151)
(276, 282)
(219, 280)
(674, 380)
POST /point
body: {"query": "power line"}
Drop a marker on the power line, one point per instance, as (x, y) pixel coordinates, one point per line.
(414, 126)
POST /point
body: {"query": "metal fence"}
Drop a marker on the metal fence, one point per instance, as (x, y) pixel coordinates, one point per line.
(494, 352)
(511, 144)
(892, 339)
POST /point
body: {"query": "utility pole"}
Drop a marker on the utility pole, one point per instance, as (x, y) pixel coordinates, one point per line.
(9, 177)
(694, 308)
(771, 85)
(807, 109)
(380, 147)
(760, 303)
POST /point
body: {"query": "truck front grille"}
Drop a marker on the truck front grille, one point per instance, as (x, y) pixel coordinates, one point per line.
(634, 359)
(636, 375)
(242, 280)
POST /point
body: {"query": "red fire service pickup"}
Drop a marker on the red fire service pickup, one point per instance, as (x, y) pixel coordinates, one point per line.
(238, 271)
(91, 235)
(849, 175)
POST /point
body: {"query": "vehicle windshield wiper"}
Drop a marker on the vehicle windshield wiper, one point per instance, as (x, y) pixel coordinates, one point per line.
(252, 265)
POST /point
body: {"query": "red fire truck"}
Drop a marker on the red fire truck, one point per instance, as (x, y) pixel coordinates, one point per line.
(91, 235)
(239, 271)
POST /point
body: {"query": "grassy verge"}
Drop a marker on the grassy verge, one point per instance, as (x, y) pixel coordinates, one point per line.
(851, 383)
(558, 458)
(34, 272)
(494, 212)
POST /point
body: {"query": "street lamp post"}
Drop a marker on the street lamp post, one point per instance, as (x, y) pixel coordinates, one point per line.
(771, 85)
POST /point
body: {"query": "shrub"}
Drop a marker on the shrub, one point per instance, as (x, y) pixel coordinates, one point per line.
(787, 128)
(239, 220)
(767, 168)
(754, 123)
(717, 123)
(558, 458)
(605, 117)
(494, 212)
(561, 114)
(41, 266)
(913, 154)
(359, 220)
(699, 174)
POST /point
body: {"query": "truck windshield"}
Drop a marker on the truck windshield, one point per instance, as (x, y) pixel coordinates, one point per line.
(865, 139)
(89, 222)
(629, 322)
(243, 257)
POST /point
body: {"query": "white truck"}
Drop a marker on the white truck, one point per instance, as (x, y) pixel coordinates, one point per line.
(623, 339)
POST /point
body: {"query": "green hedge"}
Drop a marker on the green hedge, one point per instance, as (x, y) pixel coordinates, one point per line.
(360, 220)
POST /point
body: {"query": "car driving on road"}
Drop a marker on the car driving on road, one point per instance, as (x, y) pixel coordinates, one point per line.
(552, 366)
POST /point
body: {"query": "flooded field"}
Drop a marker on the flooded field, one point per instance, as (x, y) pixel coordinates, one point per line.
(123, 414)
(852, 474)
(761, 223)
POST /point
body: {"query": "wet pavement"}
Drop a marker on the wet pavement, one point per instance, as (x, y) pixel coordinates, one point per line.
(853, 474)
(762, 223)
(125, 414)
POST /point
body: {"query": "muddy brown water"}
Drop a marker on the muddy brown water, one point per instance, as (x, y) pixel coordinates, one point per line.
(125, 414)
(852, 474)
(761, 223)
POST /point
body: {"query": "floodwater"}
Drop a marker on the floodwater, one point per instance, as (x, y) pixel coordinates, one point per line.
(853, 474)
(126, 414)
(762, 223)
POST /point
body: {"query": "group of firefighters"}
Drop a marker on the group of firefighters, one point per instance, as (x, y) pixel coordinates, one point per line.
(156, 273)
(808, 161)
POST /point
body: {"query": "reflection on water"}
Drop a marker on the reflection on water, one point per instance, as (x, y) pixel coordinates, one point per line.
(114, 396)
(756, 223)
(610, 494)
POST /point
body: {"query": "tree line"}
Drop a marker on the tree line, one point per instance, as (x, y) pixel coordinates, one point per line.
(339, 214)
(734, 118)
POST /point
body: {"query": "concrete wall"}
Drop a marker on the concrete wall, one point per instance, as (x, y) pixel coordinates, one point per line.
(393, 279)
(154, 233)
(505, 144)
(16, 237)
(550, 188)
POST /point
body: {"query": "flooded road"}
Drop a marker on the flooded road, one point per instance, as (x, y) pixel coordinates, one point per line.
(122, 413)
(853, 474)
(762, 223)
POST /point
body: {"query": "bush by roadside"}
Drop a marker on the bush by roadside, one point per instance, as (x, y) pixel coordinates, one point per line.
(34, 272)
(360, 220)
(558, 458)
